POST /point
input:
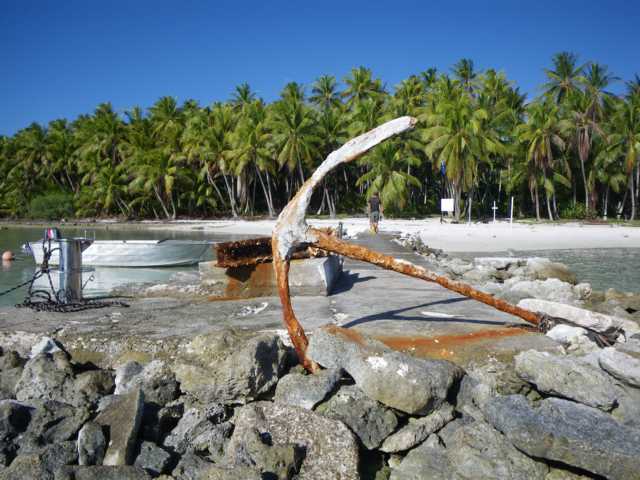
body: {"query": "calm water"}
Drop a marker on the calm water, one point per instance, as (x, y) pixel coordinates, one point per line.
(23, 267)
(603, 268)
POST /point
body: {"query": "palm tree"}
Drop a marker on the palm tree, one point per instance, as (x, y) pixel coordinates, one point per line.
(332, 132)
(361, 86)
(386, 175)
(565, 77)
(324, 92)
(61, 154)
(242, 96)
(543, 131)
(464, 72)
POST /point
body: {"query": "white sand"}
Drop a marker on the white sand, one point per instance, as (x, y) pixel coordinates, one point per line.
(477, 237)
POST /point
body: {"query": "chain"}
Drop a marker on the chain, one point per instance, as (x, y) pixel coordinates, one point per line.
(31, 280)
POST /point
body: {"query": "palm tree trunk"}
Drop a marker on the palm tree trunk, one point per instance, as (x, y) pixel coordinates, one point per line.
(633, 198)
(586, 186)
(537, 201)
(605, 207)
(162, 204)
(267, 194)
(232, 199)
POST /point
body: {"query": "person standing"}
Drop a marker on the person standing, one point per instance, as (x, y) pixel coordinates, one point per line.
(375, 209)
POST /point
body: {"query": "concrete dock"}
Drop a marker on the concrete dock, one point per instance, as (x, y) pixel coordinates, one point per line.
(408, 314)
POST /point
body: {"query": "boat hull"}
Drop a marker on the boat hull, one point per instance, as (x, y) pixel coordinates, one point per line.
(133, 253)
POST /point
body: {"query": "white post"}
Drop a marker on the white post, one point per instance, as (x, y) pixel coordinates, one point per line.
(511, 215)
(494, 208)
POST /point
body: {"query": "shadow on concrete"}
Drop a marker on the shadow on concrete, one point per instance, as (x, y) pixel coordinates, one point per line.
(348, 280)
(397, 315)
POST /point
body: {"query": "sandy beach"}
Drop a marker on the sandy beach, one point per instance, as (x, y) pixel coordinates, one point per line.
(477, 237)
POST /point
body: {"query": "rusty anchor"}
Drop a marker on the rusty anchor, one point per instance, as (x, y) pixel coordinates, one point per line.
(292, 233)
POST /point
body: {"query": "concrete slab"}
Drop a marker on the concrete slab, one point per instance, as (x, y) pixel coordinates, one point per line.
(312, 276)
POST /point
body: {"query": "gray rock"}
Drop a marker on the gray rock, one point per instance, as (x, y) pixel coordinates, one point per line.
(429, 461)
(92, 385)
(573, 339)
(566, 377)
(47, 377)
(120, 472)
(230, 368)
(191, 467)
(11, 366)
(306, 391)
(52, 421)
(26, 467)
(559, 474)
(280, 461)
(218, 472)
(91, 444)
(157, 381)
(567, 432)
(122, 418)
(153, 459)
(46, 345)
(56, 455)
(552, 289)
(446, 434)
(417, 430)
(621, 365)
(477, 450)
(543, 269)
(14, 419)
(331, 450)
(200, 429)
(158, 422)
(409, 384)
(371, 421)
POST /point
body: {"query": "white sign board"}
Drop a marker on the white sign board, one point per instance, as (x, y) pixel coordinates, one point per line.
(446, 204)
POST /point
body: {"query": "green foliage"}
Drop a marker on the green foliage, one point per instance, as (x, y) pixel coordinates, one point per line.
(577, 211)
(51, 206)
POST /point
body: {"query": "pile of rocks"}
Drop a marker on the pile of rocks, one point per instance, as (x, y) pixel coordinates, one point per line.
(238, 407)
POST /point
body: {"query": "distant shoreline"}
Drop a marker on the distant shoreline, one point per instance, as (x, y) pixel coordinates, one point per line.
(477, 237)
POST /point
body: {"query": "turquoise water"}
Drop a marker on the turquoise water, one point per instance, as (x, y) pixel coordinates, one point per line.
(23, 267)
(603, 268)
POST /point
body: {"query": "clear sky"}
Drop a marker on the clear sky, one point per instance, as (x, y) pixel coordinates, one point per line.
(61, 58)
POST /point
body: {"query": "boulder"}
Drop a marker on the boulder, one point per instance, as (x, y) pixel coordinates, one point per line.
(418, 430)
(53, 421)
(428, 461)
(220, 472)
(11, 366)
(566, 377)
(122, 418)
(26, 467)
(559, 474)
(477, 450)
(412, 385)
(551, 289)
(14, 419)
(158, 422)
(371, 421)
(46, 345)
(574, 339)
(621, 365)
(47, 377)
(92, 385)
(331, 450)
(155, 460)
(578, 316)
(55, 455)
(91, 444)
(192, 467)
(306, 391)
(157, 381)
(543, 269)
(570, 433)
(230, 368)
(120, 472)
(201, 429)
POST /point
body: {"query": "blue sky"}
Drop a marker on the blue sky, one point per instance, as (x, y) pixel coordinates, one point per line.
(62, 58)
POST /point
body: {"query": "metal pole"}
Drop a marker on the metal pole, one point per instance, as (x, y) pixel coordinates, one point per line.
(70, 270)
(511, 215)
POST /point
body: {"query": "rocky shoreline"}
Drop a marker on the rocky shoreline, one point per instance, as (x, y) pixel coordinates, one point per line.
(237, 405)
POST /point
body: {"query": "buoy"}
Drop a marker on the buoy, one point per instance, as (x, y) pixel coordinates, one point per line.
(8, 256)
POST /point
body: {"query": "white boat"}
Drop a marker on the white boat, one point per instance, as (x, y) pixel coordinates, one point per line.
(131, 253)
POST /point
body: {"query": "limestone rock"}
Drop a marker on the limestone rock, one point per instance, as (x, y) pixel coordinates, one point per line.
(428, 461)
(158, 422)
(574, 339)
(371, 421)
(122, 418)
(306, 391)
(551, 289)
(92, 385)
(543, 269)
(120, 472)
(417, 430)
(621, 365)
(53, 421)
(566, 377)
(56, 455)
(219, 472)
(157, 381)
(558, 474)
(231, 369)
(477, 450)
(14, 419)
(412, 385)
(153, 459)
(46, 345)
(91, 444)
(567, 432)
(26, 467)
(200, 429)
(11, 366)
(47, 377)
(331, 450)
(191, 467)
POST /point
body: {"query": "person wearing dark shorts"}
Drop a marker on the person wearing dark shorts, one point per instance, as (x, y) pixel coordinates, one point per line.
(375, 209)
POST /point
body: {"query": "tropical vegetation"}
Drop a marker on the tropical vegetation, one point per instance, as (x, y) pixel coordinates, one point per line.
(571, 151)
